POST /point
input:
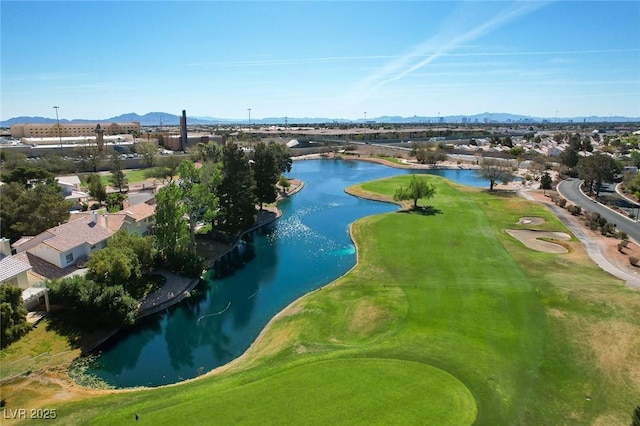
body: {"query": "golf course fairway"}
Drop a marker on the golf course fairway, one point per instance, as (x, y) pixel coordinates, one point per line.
(445, 319)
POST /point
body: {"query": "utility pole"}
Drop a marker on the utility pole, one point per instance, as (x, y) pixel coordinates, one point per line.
(59, 131)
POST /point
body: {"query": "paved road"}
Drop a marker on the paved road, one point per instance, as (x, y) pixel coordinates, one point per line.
(570, 189)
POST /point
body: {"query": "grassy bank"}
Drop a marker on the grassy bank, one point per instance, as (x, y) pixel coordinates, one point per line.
(446, 319)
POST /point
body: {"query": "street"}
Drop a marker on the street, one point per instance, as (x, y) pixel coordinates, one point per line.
(570, 189)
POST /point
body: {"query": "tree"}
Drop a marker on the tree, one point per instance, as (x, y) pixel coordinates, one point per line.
(417, 188)
(282, 157)
(91, 305)
(171, 235)
(597, 169)
(113, 266)
(28, 176)
(114, 202)
(434, 156)
(13, 315)
(142, 247)
(91, 156)
(635, 159)
(265, 174)
(545, 181)
(569, 157)
(165, 174)
(199, 200)
(31, 211)
(237, 198)
(149, 152)
(96, 188)
(537, 166)
(495, 170)
(118, 178)
(635, 417)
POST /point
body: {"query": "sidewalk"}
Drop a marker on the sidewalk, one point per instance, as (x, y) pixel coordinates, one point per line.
(173, 291)
(593, 248)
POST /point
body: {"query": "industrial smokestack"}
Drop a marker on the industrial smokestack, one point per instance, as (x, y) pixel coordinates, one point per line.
(183, 130)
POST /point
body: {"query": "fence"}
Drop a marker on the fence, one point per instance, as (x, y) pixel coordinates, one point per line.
(26, 364)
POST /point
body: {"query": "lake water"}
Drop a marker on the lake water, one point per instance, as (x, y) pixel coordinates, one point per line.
(308, 247)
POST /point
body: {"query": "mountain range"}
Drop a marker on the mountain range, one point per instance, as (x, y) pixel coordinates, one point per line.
(164, 118)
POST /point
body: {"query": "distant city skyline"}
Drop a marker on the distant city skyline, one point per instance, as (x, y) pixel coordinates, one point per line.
(320, 59)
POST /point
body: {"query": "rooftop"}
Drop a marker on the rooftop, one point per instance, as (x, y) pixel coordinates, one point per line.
(10, 266)
(75, 233)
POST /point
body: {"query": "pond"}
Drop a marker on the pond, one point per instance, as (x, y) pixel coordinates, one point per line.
(308, 247)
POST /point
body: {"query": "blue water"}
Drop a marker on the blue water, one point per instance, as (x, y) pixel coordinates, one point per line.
(306, 248)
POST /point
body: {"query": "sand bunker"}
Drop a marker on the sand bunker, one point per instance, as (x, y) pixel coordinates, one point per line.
(531, 239)
(530, 220)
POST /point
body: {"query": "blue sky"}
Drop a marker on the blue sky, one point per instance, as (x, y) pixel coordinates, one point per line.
(320, 59)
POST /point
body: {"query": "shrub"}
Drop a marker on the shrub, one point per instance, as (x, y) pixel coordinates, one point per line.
(562, 202)
(574, 210)
(623, 236)
(592, 216)
(622, 245)
(13, 315)
(633, 260)
(607, 229)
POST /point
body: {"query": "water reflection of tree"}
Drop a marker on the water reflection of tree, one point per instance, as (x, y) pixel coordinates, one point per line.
(180, 339)
(128, 344)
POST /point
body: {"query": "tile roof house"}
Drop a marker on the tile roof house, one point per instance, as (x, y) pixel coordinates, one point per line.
(136, 219)
(70, 186)
(14, 272)
(63, 245)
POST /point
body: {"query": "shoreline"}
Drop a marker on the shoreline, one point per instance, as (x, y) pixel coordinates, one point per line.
(286, 310)
(170, 295)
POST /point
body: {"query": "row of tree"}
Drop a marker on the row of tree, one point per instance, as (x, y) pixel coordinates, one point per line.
(221, 195)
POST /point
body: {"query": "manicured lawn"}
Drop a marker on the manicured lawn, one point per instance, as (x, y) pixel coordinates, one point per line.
(133, 176)
(447, 301)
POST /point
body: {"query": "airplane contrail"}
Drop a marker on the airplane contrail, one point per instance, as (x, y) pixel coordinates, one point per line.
(448, 39)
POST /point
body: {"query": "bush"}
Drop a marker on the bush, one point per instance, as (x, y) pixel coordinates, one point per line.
(562, 202)
(623, 235)
(607, 229)
(622, 245)
(91, 305)
(574, 210)
(633, 260)
(13, 315)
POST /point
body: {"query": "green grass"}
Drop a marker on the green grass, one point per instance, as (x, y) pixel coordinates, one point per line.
(446, 301)
(391, 159)
(39, 348)
(133, 176)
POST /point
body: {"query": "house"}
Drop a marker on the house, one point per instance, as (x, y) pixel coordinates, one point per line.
(12, 271)
(555, 151)
(16, 272)
(136, 219)
(70, 186)
(63, 245)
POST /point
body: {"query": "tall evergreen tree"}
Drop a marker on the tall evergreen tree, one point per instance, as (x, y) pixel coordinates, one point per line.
(118, 178)
(265, 174)
(30, 211)
(235, 193)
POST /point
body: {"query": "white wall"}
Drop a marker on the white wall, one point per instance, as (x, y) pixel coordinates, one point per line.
(49, 254)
